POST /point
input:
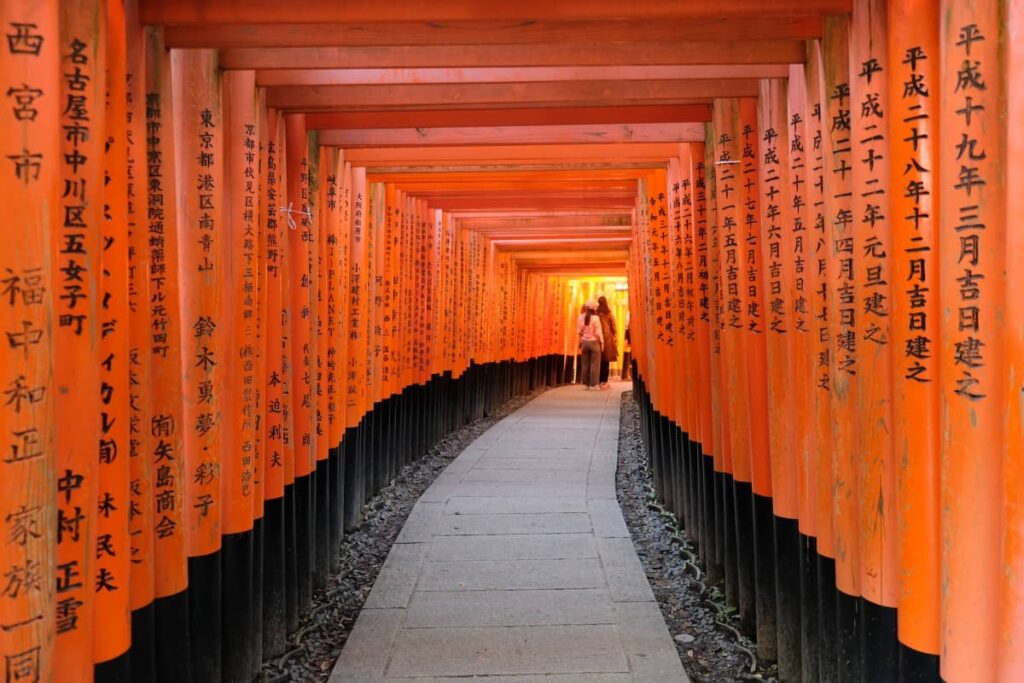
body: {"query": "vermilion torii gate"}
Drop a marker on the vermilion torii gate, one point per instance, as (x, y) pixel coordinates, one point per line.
(256, 256)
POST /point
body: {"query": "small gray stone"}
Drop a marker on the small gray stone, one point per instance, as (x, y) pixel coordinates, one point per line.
(684, 638)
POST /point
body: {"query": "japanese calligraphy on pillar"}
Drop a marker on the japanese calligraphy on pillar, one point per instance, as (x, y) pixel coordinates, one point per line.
(842, 271)
(164, 425)
(974, 261)
(356, 327)
(113, 638)
(77, 310)
(239, 310)
(274, 424)
(140, 503)
(968, 86)
(31, 161)
(876, 471)
(201, 240)
(913, 85)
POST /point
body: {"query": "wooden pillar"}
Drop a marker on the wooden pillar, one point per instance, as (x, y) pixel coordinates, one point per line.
(141, 550)
(300, 320)
(202, 244)
(801, 241)
(1011, 624)
(30, 176)
(784, 420)
(914, 97)
(113, 559)
(239, 312)
(76, 245)
(275, 389)
(166, 425)
(973, 261)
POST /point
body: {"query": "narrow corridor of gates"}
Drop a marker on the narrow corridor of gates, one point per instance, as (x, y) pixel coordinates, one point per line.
(258, 256)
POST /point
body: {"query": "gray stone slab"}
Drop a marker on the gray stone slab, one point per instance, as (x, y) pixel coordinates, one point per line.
(443, 487)
(542, 678)
(510, 575)
(513, 650)
(652, 654)
(422, 523)
(366, 652)
(532, 547)
(397, 578)
(451, 609)
(606, 518)
(577, 476)
(626, 578)
(520, 488)
(458, 505)
(540, 466)
(513, 449)
(601, 489)
(496, 524)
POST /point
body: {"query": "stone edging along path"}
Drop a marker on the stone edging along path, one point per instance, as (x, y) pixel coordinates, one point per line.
(705, 630)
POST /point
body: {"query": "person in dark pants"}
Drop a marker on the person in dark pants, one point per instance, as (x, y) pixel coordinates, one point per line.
(610, 351)
(591, 340)
(579, 353)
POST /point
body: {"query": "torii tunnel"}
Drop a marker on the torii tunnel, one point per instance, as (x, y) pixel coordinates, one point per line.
(258, 256)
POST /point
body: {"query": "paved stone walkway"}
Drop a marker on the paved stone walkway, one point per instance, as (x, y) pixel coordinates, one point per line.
(516, 565)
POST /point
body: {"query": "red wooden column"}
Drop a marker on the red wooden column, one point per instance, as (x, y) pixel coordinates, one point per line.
(752, 296)
(784, 421)
(239, 313)
(973, 263)
(76, 246)
(822, 312)
(356, 331)
(300, 321)
(801, 243)
(721, 560)
(685, 300)
(331, 209)
(914, 98)
(843, 312)
(203, 246)
(674, 337)
(113, 559)
(1011, 618)
(701, 351)
(276, 412)
(165, 426)
(318, 350)
(141, 550)
(736, 401)
(29, 178)
(872, 239)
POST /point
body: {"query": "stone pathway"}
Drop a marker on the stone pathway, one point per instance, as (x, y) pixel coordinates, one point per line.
(516, 566)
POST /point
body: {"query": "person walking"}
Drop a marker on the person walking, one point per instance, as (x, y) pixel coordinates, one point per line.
(591, 340)
(610, 349)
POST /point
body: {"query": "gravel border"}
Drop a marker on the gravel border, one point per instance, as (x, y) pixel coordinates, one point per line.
(706, 633)
(315, 646)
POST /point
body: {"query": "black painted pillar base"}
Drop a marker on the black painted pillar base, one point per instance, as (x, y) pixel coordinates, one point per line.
(237, 604)
(810, 627)
(173, 641)
(116, 670)
(205, 601)
(878, 643)
(787, 598)
(916, 666)
(848, 627)
(143, 650)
